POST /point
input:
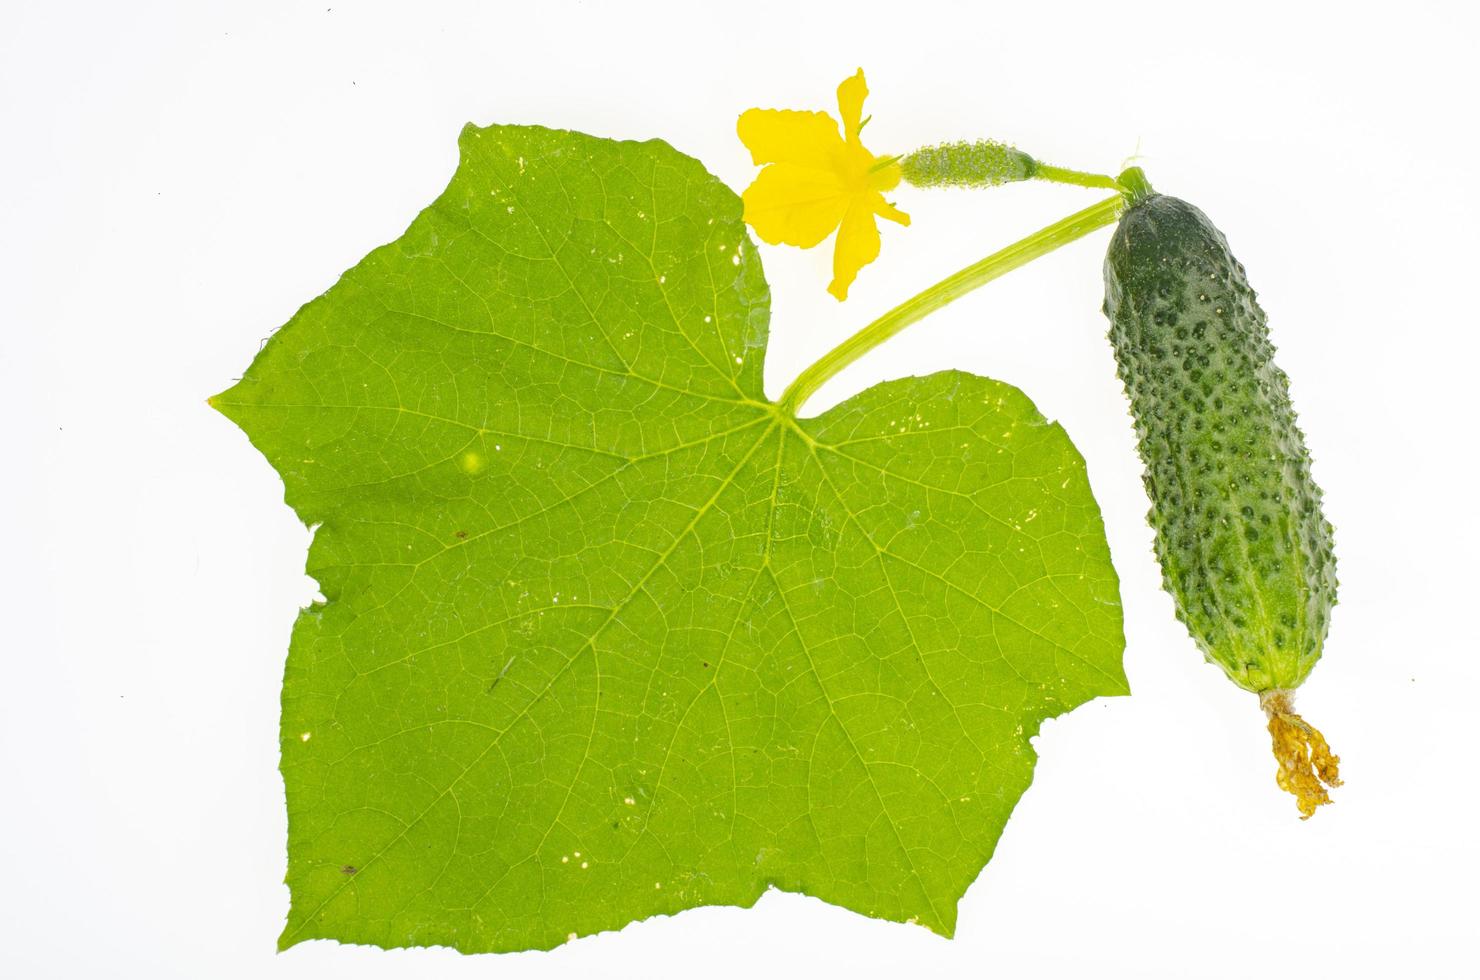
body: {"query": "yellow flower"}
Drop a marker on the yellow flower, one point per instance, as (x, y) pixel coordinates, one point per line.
(817, 181)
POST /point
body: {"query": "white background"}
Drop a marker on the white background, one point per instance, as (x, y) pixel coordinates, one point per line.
(175, 180)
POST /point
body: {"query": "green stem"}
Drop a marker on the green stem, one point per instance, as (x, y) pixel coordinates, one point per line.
(1076, 177)
(1039, 243)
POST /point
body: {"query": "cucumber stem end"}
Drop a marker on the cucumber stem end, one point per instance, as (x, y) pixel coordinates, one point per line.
(1134, 185)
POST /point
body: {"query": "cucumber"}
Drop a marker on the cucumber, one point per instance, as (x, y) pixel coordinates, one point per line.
(984, 163)
(1245, 550)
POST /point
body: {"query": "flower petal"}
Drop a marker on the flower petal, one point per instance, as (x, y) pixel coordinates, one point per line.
(850, 104)
(886, 210)
(808, 139)
(794, 205)
(857, 246)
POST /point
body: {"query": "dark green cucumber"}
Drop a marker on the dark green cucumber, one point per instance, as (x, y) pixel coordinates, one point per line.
(1245, 550)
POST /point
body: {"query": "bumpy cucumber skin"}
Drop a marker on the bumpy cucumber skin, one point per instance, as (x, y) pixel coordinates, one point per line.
(1244, 548)
(985, 163)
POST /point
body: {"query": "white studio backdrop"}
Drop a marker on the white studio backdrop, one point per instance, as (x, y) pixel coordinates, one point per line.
(178, 178)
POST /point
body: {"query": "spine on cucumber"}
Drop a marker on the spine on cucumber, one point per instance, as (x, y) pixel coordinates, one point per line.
(1244, 548)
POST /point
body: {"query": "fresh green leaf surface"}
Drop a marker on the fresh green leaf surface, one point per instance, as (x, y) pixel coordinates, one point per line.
(606, 634)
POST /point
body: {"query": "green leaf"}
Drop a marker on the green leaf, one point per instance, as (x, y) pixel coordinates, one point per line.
(605, 633)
